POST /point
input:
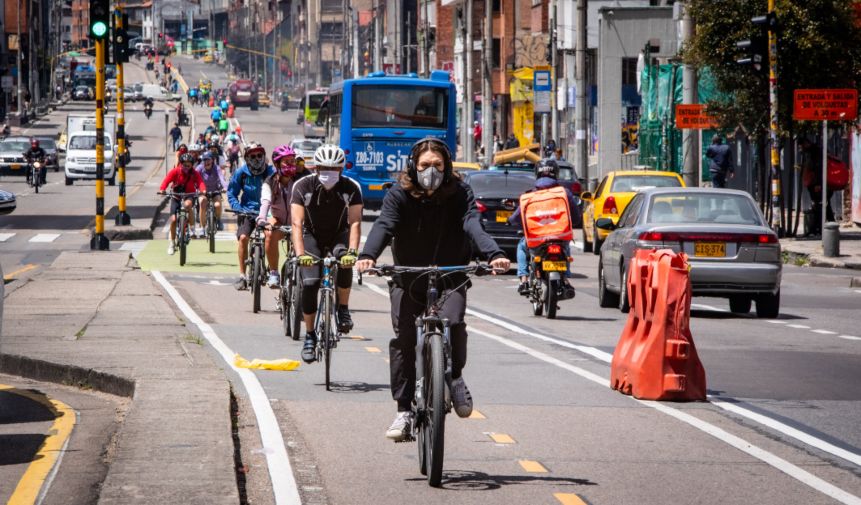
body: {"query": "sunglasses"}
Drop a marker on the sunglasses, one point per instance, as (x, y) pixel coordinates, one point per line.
(255, 156)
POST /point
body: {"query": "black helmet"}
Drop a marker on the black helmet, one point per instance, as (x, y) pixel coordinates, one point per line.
(186, 157)
(547, 168)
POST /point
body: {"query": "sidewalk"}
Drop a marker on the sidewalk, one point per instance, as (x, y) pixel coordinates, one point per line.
(809, 250)
(94, 320)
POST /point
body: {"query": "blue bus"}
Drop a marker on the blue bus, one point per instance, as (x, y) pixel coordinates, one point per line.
(376, 120)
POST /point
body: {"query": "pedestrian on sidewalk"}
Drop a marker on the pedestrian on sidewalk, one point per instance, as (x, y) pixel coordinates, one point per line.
(512, 142)
(720, 162)
(175, 136)
(811, 176)
(476, 136)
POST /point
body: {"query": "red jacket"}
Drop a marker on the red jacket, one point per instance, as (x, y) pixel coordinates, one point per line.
(182, 182)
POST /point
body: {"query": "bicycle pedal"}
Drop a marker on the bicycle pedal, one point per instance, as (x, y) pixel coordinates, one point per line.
(406, 439)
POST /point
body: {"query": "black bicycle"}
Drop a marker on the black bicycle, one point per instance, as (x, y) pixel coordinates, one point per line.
(183, 223)
(433, 366)
(211, 227)
(326, 324)
(255, 263)
(289, 298)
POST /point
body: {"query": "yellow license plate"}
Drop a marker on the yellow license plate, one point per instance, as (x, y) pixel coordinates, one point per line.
(710, 249)
(554, 266)
(15, 166)
(375, 187)
(503, 215)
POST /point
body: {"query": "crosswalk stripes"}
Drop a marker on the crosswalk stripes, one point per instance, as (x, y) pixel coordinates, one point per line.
(45, 237)
(6, 236)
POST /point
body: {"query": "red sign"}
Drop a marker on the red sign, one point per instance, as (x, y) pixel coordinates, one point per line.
(822, 104)
(694, 117)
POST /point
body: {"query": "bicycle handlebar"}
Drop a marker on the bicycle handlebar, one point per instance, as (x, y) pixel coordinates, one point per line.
(242, 213)
(388, 270)
(178, 194)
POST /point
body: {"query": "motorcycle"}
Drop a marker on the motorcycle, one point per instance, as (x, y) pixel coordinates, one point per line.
(148, 110)
(547, 268)
(35, 175)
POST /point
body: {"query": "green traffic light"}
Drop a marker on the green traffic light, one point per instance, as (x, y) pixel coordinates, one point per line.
(99, 29)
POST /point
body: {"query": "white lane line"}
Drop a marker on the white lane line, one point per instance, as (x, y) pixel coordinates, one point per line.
(280, 471)
(849, 337)
(134, 246)
(775, 321)
(45, 237)
(6, 236)
(773, 460)
(706, 307)
(825, 332)
(858, 290)
(798, 326)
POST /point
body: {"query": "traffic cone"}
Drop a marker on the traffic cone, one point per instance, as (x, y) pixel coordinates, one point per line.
(655, 358)
(230, 110)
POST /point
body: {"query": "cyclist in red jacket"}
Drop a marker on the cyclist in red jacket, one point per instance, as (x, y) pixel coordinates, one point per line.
(182, 179)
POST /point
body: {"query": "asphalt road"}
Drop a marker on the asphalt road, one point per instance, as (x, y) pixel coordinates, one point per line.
(781, 426)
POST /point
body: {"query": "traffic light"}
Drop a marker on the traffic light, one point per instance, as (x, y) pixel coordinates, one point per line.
(100, 18)
(755, 49)
(120, 42)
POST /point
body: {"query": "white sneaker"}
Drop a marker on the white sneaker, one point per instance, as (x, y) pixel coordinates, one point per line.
(461, 398)
(171, 248)
(401, 427)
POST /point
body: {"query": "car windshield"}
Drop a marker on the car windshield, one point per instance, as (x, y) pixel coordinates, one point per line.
(14, 147)
(399, 107)
(306, 146)
(566, 174)
(48, 144)
(703, 208)
(500, 184)
(629, 183)
(315, 101)
(85, 142)
(513, 167)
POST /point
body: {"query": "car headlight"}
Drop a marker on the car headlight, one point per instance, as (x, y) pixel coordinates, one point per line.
(72, 160)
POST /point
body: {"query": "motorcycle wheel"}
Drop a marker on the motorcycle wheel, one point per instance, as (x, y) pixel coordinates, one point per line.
(550, 298)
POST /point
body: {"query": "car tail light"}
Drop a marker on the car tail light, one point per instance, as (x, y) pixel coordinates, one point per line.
(576, 188)
(767, 238)
(610, 206)
(480, 206)
(652, 236)
(657, 236)
(554, 249)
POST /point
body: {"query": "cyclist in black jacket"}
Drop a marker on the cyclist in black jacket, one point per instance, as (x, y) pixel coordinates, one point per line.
(430, 218)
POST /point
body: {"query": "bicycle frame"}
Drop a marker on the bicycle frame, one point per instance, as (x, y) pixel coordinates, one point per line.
(426, 324)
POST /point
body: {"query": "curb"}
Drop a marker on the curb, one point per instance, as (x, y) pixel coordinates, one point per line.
(818, 260)
(71, 375)
(855, 282)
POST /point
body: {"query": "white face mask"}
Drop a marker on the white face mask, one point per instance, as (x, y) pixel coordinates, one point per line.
(430, 178)
(328, 178)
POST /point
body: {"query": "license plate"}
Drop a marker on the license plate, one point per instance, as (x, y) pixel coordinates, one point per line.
(503, 215)
(89, 168)
(375, 187)
(710, 249)
(15, 166)
(554, 266)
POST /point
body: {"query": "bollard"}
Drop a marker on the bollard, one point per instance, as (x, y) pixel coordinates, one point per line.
(831, 240)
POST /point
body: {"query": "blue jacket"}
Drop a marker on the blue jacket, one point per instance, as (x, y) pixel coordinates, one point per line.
(245, 189)
(573, 204)
(720, 158)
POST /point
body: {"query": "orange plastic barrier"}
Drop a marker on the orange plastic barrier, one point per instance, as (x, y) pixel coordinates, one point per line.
(230, 110)
(655, 358)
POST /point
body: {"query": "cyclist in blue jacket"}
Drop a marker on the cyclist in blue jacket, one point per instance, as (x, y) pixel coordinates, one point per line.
(243, 193)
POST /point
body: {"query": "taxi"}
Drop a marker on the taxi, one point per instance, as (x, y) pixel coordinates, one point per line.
(612, 196)
(263, 100)
(208, 58)
(464, 165)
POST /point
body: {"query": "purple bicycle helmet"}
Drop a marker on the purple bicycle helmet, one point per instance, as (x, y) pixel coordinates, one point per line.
(282, 151)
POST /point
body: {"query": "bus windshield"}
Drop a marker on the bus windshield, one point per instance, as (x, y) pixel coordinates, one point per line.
(399, 107)
(315, 100)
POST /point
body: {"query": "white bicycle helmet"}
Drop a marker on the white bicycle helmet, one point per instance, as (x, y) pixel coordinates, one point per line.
(329, 156)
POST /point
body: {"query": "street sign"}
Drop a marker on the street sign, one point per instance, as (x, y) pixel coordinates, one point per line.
(541, 81)
(694, 117)
(825, 104)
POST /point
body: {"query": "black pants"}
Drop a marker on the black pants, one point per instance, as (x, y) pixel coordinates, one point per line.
(311, 275)
(718, 179)
(402, 348)
(816, 209)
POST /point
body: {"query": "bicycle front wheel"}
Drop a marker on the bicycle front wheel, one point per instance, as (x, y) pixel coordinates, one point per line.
(210, 229)
(285, 295)
(256, 273)
(434, 438)
(327, 320)
(180, 238)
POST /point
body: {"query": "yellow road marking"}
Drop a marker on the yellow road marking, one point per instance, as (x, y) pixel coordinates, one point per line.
(532, 466)
(386, 360)
(501, 438)
(25, 268)
(28, 488)
(476, 415)
(357, 337)
(569, 499)
(373, 349)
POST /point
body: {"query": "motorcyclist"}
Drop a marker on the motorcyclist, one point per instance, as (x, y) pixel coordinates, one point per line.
(148, 105)
(34, 154)
(547, 173)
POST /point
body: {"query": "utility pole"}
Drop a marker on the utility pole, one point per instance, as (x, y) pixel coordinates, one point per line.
(408, 45)
(357, 46)
(554, 113)
(776, 201)
(487, 95)
(690, 138)
(378, 37)
(469, 147)
(581, 153)
(20, 56)
(464, 117)
(120, 20)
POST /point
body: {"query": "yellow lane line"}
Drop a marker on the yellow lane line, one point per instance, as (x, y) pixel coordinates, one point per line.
(476, 415)
(386, 360)
(357, 337)
(25, 268)
(501, 438)
(373, 349)
(569, 499)
(39, 471)
(532, 466)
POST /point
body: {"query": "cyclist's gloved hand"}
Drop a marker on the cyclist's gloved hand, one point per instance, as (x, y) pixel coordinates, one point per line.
(305, 260)
(261, 222)
(349, 259)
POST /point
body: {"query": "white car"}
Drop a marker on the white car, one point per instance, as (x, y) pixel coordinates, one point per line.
(307, 146)
(81, 157)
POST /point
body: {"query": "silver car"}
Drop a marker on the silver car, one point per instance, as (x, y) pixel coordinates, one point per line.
(732, 251)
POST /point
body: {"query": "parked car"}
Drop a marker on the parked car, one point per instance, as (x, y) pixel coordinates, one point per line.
(497, 195)
(612, 196)
(82, 93)
(49, 144)
(7, 202)
(243, 92)
(732, 251)
(12, 156)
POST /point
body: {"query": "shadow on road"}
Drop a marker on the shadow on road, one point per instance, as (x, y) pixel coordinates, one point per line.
(20, 449)
(356, 387)
(462, 480)
(44, 222)
(714, 314)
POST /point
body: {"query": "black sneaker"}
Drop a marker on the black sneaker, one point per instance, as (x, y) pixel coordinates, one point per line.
(567, 290)
(523, 288)
(241, 284)
(308, 353)
(345, 321)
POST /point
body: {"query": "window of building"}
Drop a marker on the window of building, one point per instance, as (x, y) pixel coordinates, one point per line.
(629, 71)
(497, 53)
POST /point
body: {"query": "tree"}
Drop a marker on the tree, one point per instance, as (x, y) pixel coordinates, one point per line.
(819, 46)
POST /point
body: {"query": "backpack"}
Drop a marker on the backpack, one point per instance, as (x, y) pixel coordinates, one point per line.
(546, 216)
